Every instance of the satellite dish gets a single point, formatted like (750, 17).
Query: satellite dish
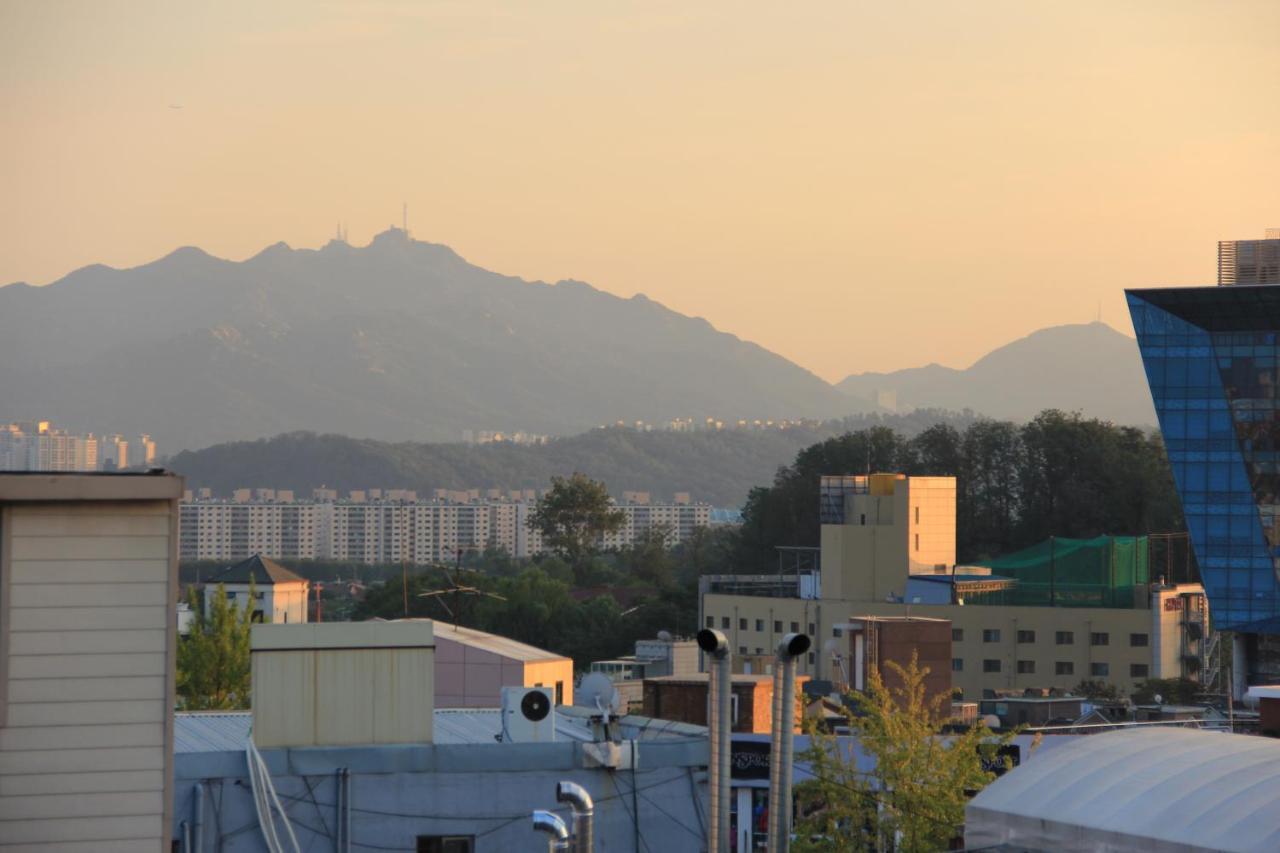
(535, 706)
(597, 692)
(665, 636)
(1159, 699)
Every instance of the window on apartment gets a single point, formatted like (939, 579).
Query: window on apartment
(1026, 636)
(559, 692)
(1099, 669)
(724, 622)
(1065, 638)
(917, 515)
(991, 635)
(795, 627)
(863, 519)
(742, 650)
(1064, 667)
(1026, 667)
(917, 541)
(1139, 670)
(777, 626)
(957, 664)
(812, 630)
(759, 650)
(1099, 638)
(836, 632)
(811, 658)
(957, 635)
(1139, 640)
(711, 621)
(991, 665)
(742, 624)
(759, 624)
(446, 844)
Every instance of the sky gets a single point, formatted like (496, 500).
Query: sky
(856, 186)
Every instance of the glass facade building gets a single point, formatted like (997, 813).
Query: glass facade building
(1212, 358)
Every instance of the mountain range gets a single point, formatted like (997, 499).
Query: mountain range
(397, 340)
(404, 340)
(1087, 367)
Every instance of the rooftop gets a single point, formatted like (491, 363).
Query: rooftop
(256, 570)
(493, 643)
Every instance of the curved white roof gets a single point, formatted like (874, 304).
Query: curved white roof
(1156, 789)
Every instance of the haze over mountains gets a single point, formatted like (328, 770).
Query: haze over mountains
(397, 340)
(403, 340)
(1087, 367)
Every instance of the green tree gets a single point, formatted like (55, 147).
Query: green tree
(213, 659)
(1097, 690)
(1172, 691)
(572, 516)
(914, 799)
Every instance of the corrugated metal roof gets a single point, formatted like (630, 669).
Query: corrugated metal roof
(228, 731)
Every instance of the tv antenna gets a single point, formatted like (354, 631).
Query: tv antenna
(404, 219)
(455, 589)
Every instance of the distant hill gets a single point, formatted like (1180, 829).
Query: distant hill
(397, 340)
(1087, 367)
(717, 467)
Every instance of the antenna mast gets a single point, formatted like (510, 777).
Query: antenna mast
(404, 220)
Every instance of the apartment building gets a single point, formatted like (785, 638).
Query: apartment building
(39, 446)
(389, 526)
(887, 549)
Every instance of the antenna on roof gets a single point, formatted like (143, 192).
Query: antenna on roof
(404, 219)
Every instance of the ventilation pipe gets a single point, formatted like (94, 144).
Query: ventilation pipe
(583, 809)
(197, 819)
(719, 721)
(553, 825)
(784, 723)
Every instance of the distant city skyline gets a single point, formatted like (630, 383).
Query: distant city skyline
(858, 187)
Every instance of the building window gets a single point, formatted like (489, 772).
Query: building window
(917, 541)
(446, 844)
(742, 650)
(711, 621)
(917, 515)
(742, 624)
(1026, 667)
(1138, 640)
(760, 625)
(1099, 638)
(1100, 670)
(991, 635)
(1064, 667)
(991, 665)
(812, 631)
(795, 627)
(957, 664)
(810, 658)
(724, 622)
(1138, 670)
(777, 626)
(1026, 636)
(836, 632)
(1065, 638)
(957, 635)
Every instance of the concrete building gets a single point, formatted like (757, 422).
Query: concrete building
(1250, 261)
(390, 526)
(39, 446)
(684, 698)
(472, 667)
(271, 591)
(886, 540)
(88, 577)
(361, 759)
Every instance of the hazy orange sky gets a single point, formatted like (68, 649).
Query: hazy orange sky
(857, 186)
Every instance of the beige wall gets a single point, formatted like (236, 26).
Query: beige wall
(86, 737)
(469, 677)
(971, 621)
(549, 674)
(343, 683)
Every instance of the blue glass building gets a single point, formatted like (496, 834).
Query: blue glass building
(1212, 357)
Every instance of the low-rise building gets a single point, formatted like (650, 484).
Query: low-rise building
(271, 591)
(473, 666)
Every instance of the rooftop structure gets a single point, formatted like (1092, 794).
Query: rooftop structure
(1152, 789)
(1250, 261)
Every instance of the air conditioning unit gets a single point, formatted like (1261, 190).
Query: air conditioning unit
(528, 715)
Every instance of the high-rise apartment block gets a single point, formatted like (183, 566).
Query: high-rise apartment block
(1250, 261)
(392, 525)
(39, 446)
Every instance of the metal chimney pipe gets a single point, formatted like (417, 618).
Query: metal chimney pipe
(553, 825)
(719, 722)
(784, 723)
(583, 810)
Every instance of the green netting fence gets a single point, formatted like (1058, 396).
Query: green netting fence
(1099, 572)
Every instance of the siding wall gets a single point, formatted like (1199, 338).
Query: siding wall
(86, 739)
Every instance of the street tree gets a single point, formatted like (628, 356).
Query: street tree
(572, 516)
(915, 797)
(213, 672)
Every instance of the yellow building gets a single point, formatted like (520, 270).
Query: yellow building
(888, 548)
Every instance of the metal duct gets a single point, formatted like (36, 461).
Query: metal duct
(780, 753)
(583, 809)
(553, 825)
(719, 722)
